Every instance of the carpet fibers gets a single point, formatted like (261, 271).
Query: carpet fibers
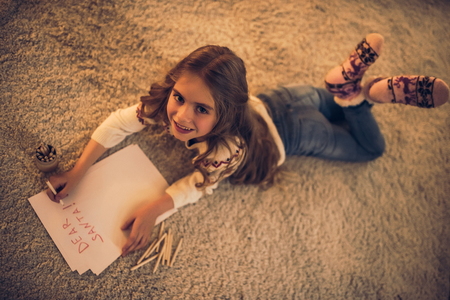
(376, 230)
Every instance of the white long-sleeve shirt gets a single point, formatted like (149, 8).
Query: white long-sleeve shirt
(124, 122)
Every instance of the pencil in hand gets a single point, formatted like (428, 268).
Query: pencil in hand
(53, 191)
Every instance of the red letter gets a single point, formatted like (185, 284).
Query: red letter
(86, 225)
(79, 219)
(76, 241)
(85, 247)
(67, 206)
(67, 224)
(76, 211)
(91, 231)
(95, 237)
(73, 231)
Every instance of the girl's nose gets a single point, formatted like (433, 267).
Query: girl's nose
(184, 113)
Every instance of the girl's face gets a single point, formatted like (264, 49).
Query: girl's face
(191, 109)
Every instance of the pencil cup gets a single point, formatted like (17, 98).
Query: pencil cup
(46, 158)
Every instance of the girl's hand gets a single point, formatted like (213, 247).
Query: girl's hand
(142, 222)
(63, 184)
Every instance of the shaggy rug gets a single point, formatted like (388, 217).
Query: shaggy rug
(337, 230)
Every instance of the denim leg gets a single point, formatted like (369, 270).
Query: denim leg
(303, 115)
(364, 129)
(319, 98)
(362, 142)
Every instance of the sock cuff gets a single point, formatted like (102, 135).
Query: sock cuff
(354, 102)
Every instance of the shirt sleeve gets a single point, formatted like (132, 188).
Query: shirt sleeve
(218, 166)
(117, 126)
(184, 191)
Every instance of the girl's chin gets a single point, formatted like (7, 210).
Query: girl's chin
(182, 138)
(185, 138)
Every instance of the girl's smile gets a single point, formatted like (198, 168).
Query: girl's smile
(191, 109)
(182, 129)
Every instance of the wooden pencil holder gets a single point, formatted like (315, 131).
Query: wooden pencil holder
(46, 158)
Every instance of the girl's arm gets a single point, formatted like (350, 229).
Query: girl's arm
(142, 222)
(112, 131)
(69, 180)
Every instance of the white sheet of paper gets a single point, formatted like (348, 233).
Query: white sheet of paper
(86, 229)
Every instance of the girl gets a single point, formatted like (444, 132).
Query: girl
(204, 102)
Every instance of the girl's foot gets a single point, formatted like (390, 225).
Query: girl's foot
(344, 81)
(421, 91)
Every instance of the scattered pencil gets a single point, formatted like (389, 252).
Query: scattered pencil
(160, 255)
(155, 245)
(161, 229)
(144, 262)
(176, 252)
(168, 248)
(164, 255)
(147, 252)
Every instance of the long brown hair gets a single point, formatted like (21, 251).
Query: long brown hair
(225, 75)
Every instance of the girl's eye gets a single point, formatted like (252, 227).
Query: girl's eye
(202, 110)
(178, 98)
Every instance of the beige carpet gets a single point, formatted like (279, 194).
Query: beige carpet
(377, 230)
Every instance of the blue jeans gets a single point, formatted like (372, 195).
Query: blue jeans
(306, 119)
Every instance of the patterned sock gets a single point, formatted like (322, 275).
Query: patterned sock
(344, 81)
(421, 91)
